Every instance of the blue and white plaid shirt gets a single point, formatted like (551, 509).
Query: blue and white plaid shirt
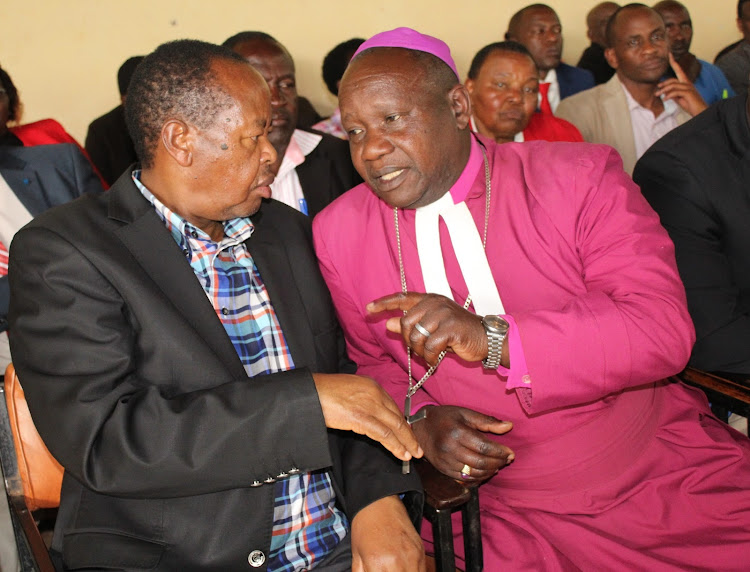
(306, 523)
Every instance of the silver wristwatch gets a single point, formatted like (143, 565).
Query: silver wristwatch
(496, 329)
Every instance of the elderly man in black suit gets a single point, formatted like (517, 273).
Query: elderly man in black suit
(181, 357)
(311, 168)
(696, 178)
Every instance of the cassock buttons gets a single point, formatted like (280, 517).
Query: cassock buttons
(256, 558)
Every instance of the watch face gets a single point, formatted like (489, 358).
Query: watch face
(496, 324)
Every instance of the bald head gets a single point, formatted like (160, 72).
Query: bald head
(596, 21)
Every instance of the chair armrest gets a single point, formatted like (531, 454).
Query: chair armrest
(727, 393)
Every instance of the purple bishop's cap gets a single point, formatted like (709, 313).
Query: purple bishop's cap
(411, 40)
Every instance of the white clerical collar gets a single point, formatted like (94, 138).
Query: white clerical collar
(468, 247)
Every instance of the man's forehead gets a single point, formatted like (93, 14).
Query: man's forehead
(388, 69)
(640, 17)
(538, 15)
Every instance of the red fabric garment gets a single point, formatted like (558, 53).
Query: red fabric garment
(544, 105)
(543, 127)
(49, 132)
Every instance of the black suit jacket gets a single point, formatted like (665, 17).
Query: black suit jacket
(109, 145)
(139, 393)
(42, 177)
(326, 173)
(697, 177)
(593, 60)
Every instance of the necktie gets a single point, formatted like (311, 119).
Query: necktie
(544, 105)
(3, 260)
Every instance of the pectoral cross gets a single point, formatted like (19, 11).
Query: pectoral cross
(411, 419)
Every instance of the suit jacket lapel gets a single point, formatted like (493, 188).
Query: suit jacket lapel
(146, 237)
(616, 106)
(269, 254)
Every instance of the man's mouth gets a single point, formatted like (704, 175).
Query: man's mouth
(390, 176)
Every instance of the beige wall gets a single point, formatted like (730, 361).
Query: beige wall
(63, 55)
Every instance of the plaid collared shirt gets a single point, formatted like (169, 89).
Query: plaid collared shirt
(306, 523)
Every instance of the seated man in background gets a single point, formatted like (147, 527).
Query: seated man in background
(696, 179)
(311, 169)
(547, 279)
(503, 83)
(108, 142)
(636, 107)
(707, 78)
(593, 58)
(334, 66)
(181, 357)
(538, 28)
(32, 179)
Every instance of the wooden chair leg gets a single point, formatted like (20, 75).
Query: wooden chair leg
(472, 533)
(442, 531)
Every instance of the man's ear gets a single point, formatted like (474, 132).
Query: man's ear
(177, 139)
(460, 105)
(611, 57)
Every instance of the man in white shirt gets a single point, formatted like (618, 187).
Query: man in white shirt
(637, 106)
(312, 168)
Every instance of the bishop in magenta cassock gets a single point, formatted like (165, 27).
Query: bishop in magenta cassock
(595, 461)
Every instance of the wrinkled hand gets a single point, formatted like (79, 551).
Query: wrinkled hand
(383, 538)
(450, 326)
(359, 404)
(681, 90)
(455, 436)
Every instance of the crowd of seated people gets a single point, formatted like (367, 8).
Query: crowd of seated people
(448, 269)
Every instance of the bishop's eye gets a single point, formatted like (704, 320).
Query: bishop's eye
(393, 117)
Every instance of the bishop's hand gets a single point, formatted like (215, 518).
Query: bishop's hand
(434, 323)
(455, 438)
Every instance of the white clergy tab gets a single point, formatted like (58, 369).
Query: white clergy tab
(467, 244)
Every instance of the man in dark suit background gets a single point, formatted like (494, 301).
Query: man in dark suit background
(538, 28)
(592, 58)
(32, 179)
(181, 360)
(312, 168)
(108, 142)
(696, 178)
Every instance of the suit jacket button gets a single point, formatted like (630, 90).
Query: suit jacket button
(256, 558)
(269, 480)
(293, 471)
(256, 484)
